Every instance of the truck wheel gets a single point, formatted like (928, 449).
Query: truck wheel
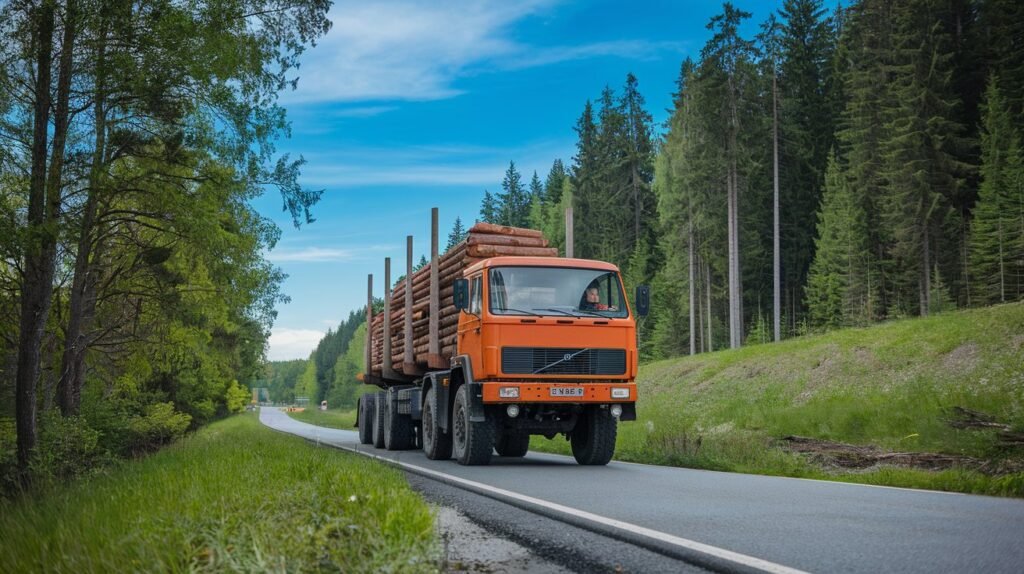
(397, 427)
(436, 444)
(593, 439)
(472, 442)
(366, 415)
(380, 403)
(513, 445)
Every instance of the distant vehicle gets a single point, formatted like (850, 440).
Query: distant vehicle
(528, 345)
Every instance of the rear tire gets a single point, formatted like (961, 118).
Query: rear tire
(513, 445)
(379, 405)
(397, 427)
(593, 439)
(436, 444)
(472, 442)
(366, 415)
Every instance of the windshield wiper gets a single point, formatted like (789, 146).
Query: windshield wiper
(592, 313)
(520, 311)
(562, 360)
(563, 311)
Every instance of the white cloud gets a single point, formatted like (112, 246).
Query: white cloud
(362, 111)
(287, 344)
(404, 50)
(311, 254)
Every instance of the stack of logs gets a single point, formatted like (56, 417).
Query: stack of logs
(484, 240)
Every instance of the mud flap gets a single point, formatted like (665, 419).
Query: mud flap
(476, 403)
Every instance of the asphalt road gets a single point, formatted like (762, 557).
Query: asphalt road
(731, 521)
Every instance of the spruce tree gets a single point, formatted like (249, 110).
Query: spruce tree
(806, 134)
(457, 234)
(840, 290)
(921, 171)
(997, 232)
(489, 212)
(513, 201)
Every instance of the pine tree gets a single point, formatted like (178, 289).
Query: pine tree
(489, 212)
(997, 232)
(513, 201)
(457, 234)
(727, 69)
(840, 290)
(922, 173)
(806, 127)
(554, 181)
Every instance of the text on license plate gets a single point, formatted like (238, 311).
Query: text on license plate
(567, 391)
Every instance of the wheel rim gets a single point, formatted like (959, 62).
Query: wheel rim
(460, 427)
(428, 425)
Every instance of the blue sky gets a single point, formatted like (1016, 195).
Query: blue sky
(405, 106)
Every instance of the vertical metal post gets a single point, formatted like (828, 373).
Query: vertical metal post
(434, 344)
(369, 326)
(569, 250)
(386, 366)
(408, 360)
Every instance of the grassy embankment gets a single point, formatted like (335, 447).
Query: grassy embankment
(235, 496)
(331, 418)
(890, 387)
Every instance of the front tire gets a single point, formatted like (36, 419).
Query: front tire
(593, 439)
(473, 442)
(513, 445)
(366, 416)
(436, 444)
(380, 403)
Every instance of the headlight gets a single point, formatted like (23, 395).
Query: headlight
(508, 392)
(620, 392)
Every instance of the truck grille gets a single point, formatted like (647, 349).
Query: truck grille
(533, 360)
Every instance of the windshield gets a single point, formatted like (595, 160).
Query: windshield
(556, 291)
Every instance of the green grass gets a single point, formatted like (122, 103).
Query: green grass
(889, 386)
(235, 496)
(335, 419)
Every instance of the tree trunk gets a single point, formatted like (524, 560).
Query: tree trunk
(711, 339)
(35, 297)
(83, 288)
(925, 276)
(732, 185)
(692, 263)
(776, 251)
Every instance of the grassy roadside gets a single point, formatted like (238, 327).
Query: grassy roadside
(335, 419)
(889, 387)
(234, 496)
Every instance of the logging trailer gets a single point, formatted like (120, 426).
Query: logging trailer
(497, 340)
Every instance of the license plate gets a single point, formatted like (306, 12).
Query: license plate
(567, 391)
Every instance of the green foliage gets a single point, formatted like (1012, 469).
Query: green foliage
(840, 286)
(455, 237)
(235, 496)
(489, 209)
(236, 398)
(997, 232)
(68, 447)
(159, 426)
(513, 203)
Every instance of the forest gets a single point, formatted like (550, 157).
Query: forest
(135, 299)
(839, 167)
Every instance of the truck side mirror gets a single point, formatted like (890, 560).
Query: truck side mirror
(460, 292)
(643, 300)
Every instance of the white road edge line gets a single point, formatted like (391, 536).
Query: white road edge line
(692, 545)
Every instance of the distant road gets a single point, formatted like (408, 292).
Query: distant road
(729, 521)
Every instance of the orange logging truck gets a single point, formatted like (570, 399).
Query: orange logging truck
(497, 340)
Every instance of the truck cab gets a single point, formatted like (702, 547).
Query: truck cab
(548, 347)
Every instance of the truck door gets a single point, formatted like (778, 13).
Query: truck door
(469, 325)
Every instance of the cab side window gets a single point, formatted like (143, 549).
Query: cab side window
(476, 295)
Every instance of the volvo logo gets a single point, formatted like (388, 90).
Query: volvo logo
(567, 357)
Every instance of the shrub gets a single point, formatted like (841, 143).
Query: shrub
(159, 426)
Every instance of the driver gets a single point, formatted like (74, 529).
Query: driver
(592, 301)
